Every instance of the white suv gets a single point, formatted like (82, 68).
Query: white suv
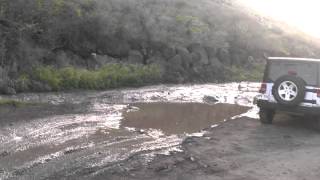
(290, 85)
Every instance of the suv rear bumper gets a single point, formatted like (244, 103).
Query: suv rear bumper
(289, 109)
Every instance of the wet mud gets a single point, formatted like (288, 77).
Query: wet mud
(83, 135)
(179, 118)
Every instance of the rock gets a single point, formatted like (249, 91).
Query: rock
(211, 51)
(114, 47)
(215, 62)
(4, 154)
(251, 60)
(224, 56)
(197, 48)
(102, 60)
(176, 61)
(3, 84)
(9, 91)
(195, 57)
(210, 99)
(1, 72)
(6, 87)
(156, 60)
(135, 57)
(186, 57)
(22, 85)
(62, 60)
(175, 72)
(13, 70)
(40, 87)
(168, 52)
(212, 55)
(192, 158)
(239, 57)
(182, 51)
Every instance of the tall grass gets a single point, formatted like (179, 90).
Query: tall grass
(109, 76)
(15, 103)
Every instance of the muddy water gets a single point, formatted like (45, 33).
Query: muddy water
(179, 118)
(80, 134)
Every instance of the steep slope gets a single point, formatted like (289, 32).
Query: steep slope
(189, 41)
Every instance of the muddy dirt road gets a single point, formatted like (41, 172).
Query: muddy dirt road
(158, 132)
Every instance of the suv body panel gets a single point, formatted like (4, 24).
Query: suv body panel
(307, 69)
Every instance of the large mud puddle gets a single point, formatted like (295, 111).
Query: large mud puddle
(179, 118)
(87, 132)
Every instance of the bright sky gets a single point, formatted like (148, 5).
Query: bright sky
(304, 14)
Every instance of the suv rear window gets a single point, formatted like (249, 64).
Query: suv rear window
(308, 71)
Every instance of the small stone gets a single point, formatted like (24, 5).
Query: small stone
(192, 158)
(210, 99)
(4, 154)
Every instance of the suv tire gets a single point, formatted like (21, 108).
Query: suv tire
(289, 90)
(266, 116)
(317, 123)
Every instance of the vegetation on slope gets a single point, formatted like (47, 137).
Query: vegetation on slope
(48, 78)
(189, 41)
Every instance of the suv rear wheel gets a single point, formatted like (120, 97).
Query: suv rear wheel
(289, 90)
(266, 116)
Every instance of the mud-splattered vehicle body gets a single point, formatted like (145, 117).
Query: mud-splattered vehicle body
(290, 85)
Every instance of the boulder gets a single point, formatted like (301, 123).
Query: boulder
(22, 85)
(2, 72)
(114, 47)
(13, 70)
(9, 91)
(103, 59)
(215, 62)
(62, 60)
(210, 99)
(5, 87)
(40, 87)
(156, 60)
(162, 63)
(238, 56)
(168, 52)
(196, 57)
(176, 61)
(186, 57)
(197, 48)
(224, 56)
(135, 57)
(211, 51)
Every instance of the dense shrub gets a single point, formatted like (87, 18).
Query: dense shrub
(109, 76)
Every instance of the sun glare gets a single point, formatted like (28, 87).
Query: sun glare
(303, 14)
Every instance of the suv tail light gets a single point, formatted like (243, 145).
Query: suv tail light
(318, 93)
(263, 88)
(293, 73)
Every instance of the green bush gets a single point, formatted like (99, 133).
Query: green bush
(48, 75)
(109, 76)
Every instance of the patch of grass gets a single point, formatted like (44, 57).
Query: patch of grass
(109, 76)
(253, 74)
(15, 103)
